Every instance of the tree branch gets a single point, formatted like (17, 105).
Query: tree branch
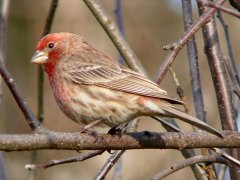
(138, 140)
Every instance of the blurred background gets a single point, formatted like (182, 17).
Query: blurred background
(149, 25)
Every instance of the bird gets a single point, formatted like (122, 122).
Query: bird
(93, 89)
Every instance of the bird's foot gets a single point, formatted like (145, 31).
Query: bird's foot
(115, 131)
(90, 125)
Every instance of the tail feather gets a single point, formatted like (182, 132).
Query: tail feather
(172, 112)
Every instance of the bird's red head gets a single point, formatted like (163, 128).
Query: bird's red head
(50, 49)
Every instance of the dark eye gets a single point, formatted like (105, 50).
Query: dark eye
(51, 45)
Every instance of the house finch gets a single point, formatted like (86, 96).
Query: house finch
(92, 88)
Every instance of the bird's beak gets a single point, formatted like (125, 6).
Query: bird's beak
(39, 57)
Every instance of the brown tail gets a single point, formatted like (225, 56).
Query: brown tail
(191, 120)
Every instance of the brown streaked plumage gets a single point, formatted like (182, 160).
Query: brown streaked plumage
(90, 86)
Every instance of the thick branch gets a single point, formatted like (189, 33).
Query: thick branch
(139, 140)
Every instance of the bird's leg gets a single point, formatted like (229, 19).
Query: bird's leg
(94, 123)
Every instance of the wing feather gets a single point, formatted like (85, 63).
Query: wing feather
(120, 79)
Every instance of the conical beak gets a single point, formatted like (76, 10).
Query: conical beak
(39, 57)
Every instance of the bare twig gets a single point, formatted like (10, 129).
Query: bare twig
(230, 51)
(193, 63)
(82, 157)
(224, 9)
(227, 156)
(204, 18)
(109, 164)
(3, 34)
(222, 172)
(234, 86)
(119, 21)
(115, 35)
(132, 126)
(3, 171)
(188, 162)
(49, 20)
(180, 91)
(117, 173)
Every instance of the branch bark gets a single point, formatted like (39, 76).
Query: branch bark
(137, 140)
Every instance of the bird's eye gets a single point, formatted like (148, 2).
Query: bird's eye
(51, 45)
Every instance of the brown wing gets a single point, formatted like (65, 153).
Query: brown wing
(120, 79)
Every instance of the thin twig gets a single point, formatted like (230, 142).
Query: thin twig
(226, 155)
(222, 172)
(115, 35)
(132, 126)
(234, 86)
(188, 162)
(229, 45)
(221, 8)
(180, 91)
(50, 17)
(204, 18)
(119, 21)
(3, 34)
(109, 164)
(3, 170)
(193, 63)
(51, 163)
